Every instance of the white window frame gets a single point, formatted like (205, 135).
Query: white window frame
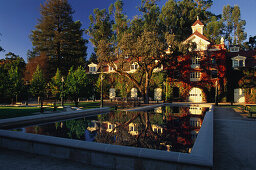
(92, 69)
(236, 61)
(195, 76)
(196, 62)
(134, 66)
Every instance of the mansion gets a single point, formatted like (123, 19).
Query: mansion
(209, 73)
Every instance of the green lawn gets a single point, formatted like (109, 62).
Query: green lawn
(13, 111)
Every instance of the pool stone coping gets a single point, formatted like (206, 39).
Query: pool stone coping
(201, 155)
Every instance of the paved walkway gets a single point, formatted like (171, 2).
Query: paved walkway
(10, 160)
(234, 141)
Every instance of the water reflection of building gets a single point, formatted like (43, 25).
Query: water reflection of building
(158, 110)
(195, 110)
(157, 129)
(195, 122)
(134, 129)
(170, 127)
(102, 126)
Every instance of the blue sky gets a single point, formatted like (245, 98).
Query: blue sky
(18, 18)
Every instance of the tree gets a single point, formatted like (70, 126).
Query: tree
(13, 60)
(213, 30)
(56, 85)
(251, 44)
(234, 25)
(38, 84)
(43, 62)
(177, 17)
(59, 36)
(75, 84)
(93, 58)
(143, 41)
(15, 83)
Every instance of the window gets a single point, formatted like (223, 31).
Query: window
(195, 75)
(214, 74)
(196, 60)
(111, 68)
(238, 61)
(92, 69)
(234, 49)
(134, 66)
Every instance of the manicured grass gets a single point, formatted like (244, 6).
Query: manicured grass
(12, 111)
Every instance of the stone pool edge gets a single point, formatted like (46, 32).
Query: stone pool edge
(114, 156)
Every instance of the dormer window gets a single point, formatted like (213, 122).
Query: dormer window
(92, 68)
(234, 49)
(238, 61)
(111, 69)
(134, 66)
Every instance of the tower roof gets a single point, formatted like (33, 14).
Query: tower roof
(197, 22)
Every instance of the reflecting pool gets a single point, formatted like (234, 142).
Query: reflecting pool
(163, 128)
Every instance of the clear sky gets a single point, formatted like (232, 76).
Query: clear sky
(18, 18)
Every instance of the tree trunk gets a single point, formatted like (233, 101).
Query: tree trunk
(76, 102)
(146, 97)
(38, 99)
(16, 98)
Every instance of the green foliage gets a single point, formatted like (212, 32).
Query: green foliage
(15, 82)
(177, 17)
(38, 83)
(13, 60)
(76, 128)
(234, 25)
(251, 44)
(75, 84)
(59, 36)
(56, 84)
(213, 30)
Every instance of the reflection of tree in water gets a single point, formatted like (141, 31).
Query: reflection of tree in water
(146, 137)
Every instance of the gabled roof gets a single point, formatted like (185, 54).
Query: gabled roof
(198, 22)
(199, 35)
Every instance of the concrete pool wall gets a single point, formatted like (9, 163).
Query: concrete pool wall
(115, 156)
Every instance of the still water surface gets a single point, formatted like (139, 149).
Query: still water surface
(164, 128)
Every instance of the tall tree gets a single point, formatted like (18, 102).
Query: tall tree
(59, 36)
(234, 25)
(38, 84)
(213, 30)
(177, 17)
(143, 41)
